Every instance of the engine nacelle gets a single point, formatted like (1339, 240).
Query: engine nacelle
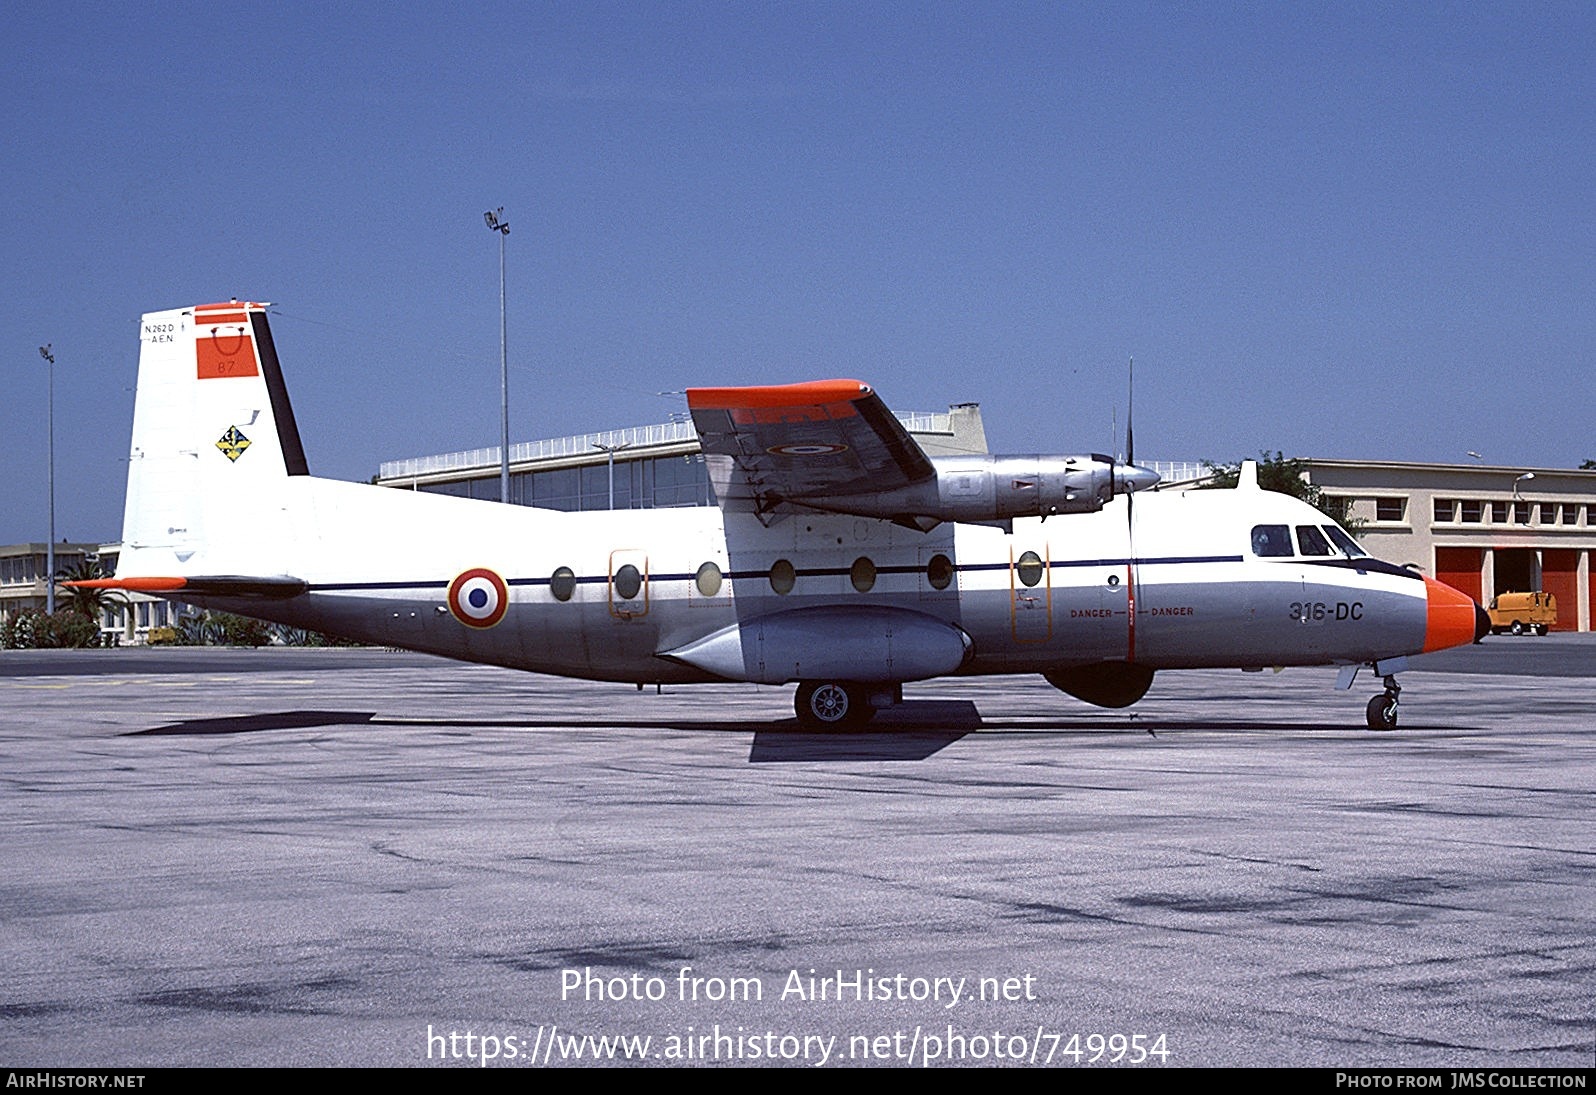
(994, 488)
(991, 489)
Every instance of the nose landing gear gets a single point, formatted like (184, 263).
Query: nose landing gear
(1382, 710)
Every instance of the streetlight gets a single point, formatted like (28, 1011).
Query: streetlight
(496, 223)
(1518, 498)
(610, 451)
(49, 548)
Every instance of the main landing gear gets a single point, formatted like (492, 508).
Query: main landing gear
(1382, 709)
(842, 705)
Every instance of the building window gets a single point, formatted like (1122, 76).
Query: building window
(1391, 510)
(1549, 513)
(1445, 510)
(1473, 511)
(1498, 513)
(1521, 513)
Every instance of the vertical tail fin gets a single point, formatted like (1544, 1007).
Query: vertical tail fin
(214, 440)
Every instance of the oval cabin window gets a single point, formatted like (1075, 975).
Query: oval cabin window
(782, 576)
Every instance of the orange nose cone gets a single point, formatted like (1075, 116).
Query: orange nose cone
(1451, 618)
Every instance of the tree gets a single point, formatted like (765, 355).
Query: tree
(87, 602)
(1589, 465)
(1285, 476)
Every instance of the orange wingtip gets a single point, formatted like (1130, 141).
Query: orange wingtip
(227, 306)
(137, 585)
(809, 394)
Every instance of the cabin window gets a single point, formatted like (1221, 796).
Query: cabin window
(708, 579)
(563, 584)
(862, 574)
(939, 572)
(628, 582)
(1310, 541)
(782, 576)
(1029, 568)
(1271, 541)
(1344, 542)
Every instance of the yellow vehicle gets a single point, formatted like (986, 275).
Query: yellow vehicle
(1522, 612)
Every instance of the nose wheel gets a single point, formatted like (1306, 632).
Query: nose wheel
(1382, 711)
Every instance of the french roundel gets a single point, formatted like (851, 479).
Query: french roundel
(478, 598)
(806, 450)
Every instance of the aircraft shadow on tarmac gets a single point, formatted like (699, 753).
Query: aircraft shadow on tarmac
(913, 730)
(249, 724)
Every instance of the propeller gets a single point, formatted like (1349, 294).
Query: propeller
(1128, 478)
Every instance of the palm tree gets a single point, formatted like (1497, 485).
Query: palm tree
(88, 602)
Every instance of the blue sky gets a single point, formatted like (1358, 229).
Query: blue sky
(1343, 230)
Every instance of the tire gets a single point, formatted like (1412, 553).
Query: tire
(831, 705)
(1382, 713)
(1541, 629)
(1517, 628)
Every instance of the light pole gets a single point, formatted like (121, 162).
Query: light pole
(610, 451)
(49, 548)
(496, 223)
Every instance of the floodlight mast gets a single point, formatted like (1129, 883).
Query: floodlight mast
(496, 223)
(49, 548)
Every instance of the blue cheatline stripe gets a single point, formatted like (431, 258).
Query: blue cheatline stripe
(811, 572)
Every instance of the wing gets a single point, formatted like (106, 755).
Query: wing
(770, 448)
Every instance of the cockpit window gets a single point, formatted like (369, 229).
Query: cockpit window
(1344, 542)
(1271, 541)
(1312, 542)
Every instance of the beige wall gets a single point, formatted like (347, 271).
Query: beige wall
(1481, 508)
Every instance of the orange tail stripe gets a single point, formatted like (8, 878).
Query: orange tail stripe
(137, 585)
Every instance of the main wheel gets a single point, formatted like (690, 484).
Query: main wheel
(831, 705)
(1382, 712)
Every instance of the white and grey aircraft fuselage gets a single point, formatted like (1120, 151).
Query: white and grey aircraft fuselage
(840, 557)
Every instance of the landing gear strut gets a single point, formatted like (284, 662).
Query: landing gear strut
(1382, 710)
